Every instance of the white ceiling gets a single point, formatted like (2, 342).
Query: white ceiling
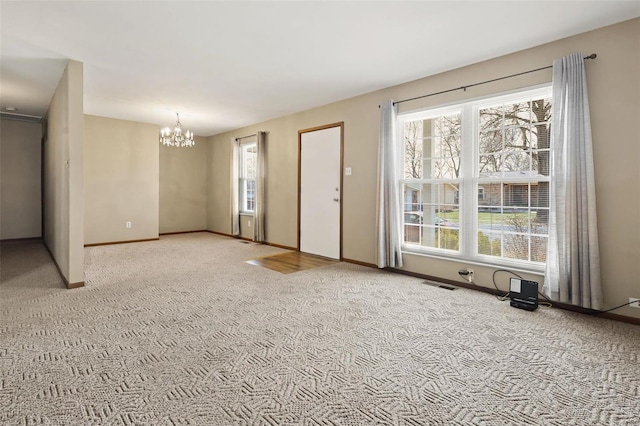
(224, 65)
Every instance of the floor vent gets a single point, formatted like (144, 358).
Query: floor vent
(440, 285)
(245, 242)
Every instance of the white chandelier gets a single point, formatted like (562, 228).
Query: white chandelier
(176, 137)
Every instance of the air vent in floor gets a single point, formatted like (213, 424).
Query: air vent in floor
(439, 285)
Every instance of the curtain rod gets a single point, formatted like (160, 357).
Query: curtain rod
(592, 56)
(245, 137)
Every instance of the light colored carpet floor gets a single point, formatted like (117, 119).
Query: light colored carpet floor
(182, 331)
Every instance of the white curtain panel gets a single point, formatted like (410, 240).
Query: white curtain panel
(573, 257)
(258, 212)
(235, 207)
(388, 226)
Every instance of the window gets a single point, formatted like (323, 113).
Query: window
(431, 180)
(476, 179)
(480, 194)
(247, 177)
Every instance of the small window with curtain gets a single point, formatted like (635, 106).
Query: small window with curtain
(247, 177)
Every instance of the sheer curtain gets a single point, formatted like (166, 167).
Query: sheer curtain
(258, 212)
(573, 258)
(388, 226)
(235, 208)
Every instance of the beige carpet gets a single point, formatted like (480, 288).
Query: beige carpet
(182, 331)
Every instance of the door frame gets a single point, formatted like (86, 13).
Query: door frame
(314, 129)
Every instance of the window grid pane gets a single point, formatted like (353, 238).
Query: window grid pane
(432, 147)
(431, 214)
(431, 186)
(513, 221)
(513, 173)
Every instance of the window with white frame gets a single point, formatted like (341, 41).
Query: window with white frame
(475, 179)
(247, 177)
(480, 194)
(431, 181)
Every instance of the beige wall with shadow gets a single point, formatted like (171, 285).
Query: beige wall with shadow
(183, 187)
(121, 180)
(63, 175)
(20, 179)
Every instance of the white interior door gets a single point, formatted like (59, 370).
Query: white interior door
(320, 192)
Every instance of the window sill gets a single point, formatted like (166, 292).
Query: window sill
(246, 214)
(511, 266)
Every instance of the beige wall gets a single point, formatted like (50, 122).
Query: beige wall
(20, 180)
(63, 175)
(218, 185)
(614, 90)
(183, 187)
(121, 180)
(246, 226)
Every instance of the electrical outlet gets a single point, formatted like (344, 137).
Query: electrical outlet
(128, 224)
(470, 275)
(635, 302)
(467, 274)
(249, 224)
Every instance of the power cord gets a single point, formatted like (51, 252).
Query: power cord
(548, 303)
(613, 309)
(493, 278)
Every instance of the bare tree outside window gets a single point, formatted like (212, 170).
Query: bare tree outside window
(432, 148)
(413, 156)
(514, 141)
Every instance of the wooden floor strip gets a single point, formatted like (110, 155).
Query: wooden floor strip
(287, 263)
